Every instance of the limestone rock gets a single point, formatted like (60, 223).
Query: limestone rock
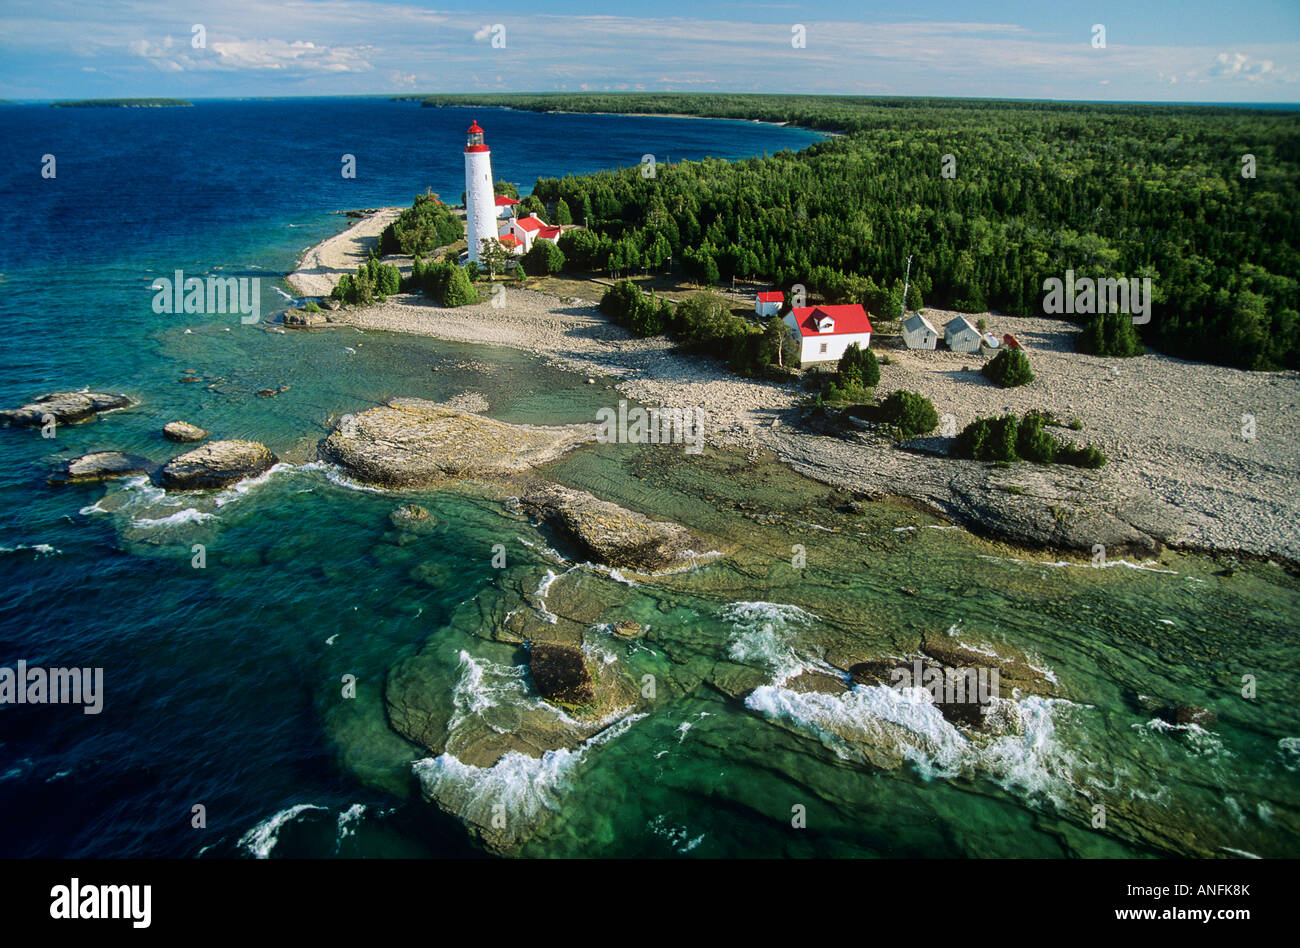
(218, 464)
(411, 442)
(183, 432)
(67, 408)
(610, 534)
(102, 466)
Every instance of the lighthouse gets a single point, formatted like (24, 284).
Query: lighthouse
(480, 202)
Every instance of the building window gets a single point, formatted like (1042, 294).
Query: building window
(823, 349)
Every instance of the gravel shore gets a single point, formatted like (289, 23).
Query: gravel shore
(322, 265)
(1180, 471)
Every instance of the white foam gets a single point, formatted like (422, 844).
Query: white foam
(523, 787)
(1032, 763)
(261, 839)
(188, 515)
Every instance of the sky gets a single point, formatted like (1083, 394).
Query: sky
(1189, 51)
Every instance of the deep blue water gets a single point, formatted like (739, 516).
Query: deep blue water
(214, 676)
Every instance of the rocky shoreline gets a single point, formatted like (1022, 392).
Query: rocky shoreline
(1180, 474)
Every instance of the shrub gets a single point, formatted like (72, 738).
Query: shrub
(859, 364)
(422, 228)
(562, 213)
(460, 291)
(1009, 368)
(1087, 456)
(1033, 443)
(909, 412)
(989, 439)
(543, 258)
(1110, 334)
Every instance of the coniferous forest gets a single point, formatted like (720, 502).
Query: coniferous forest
(1200, 199)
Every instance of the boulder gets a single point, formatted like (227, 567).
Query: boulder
(183, 432)
(610, 534)
(412, 518)
(303, 318)
(217, 464)
(67, 408)
(102, 466)
(561, 675)
(410, 442)
(1191, 714)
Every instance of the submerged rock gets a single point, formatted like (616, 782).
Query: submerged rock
(561, 675)
(67, 408)
(410, 442)
(610, 534)
(1192, 714)
(102, 466)
(183, 432)
(218, 464)
(412, 518)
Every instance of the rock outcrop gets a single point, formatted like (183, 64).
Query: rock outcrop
(67, 408)
(610, 534)
(102, 466)
(410, 442)
(560, 674)
(218, 464)
(412, 518)
(183, 432)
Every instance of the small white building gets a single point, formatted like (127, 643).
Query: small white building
(531, 228)
(961, 335)
(919, 332)
(505, 207)
(824, 332)
(768, 303)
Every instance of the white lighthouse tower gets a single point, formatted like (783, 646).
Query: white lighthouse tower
(480, 202)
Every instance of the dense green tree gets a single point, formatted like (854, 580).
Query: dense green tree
(910, 412)
(543, 258)
(1009, 368)
(460, 291)
(562, 213)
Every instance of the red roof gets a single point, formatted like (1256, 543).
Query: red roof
(473, 127)
(549, 233)
(503, 201)
(771, 296)
(849, 318)
(508, 240)
(530, 223)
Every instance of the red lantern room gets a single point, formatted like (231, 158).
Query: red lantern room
(475, 140)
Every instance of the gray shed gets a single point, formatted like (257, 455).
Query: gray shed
(961, 335)
(919, 332)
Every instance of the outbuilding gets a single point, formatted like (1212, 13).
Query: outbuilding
(768, 303)
(961, 335)
(919, 332)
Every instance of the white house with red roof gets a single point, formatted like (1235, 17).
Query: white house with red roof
(531, 228)
(505, 207)
(824, 332)
(768, 303)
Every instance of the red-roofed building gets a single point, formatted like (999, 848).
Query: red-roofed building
(505, 207)
(824, 332)
(768, 302)
(530, 228)
(511, 243)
